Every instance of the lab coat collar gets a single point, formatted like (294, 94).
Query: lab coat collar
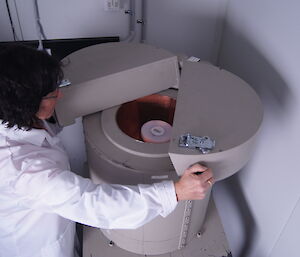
(33, 136)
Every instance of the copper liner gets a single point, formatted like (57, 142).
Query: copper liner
(132, 115)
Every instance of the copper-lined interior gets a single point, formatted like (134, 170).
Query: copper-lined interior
(132, 115)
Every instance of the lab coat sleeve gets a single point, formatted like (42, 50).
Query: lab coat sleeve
(43, 186)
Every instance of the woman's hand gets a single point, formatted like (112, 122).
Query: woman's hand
(192, 186)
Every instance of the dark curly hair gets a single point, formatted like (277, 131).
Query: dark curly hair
(26, 76)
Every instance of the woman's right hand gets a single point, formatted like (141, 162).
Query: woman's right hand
(192, 186)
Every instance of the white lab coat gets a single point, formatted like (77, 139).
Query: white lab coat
(40, 198)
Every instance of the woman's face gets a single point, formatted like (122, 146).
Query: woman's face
(47, 104)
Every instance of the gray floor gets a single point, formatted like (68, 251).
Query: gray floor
(211, 243)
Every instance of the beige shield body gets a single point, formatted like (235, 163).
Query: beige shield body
(210, 102)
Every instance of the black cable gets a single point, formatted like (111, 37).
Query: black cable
(17, 12)
(11, 21)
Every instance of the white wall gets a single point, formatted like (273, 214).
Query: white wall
(64, 19)
(190, 27)
(259, 206)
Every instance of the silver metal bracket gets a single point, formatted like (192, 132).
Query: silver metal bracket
(203, 144)
(130, 12)
(65, 83)
(140, 21)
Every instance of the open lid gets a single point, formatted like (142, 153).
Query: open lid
(215, 103)
(110, 74)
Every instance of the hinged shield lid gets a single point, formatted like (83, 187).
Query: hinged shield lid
(110, 74)
(214, 103)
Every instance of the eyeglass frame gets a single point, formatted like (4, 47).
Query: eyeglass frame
(63, 83)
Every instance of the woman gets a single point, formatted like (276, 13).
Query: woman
(40, 198)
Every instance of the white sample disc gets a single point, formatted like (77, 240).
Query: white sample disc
(156, 131)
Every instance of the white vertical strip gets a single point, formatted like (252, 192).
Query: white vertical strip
(138, 18)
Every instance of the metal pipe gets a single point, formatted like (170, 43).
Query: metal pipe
(136, 22)
(139, 22)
